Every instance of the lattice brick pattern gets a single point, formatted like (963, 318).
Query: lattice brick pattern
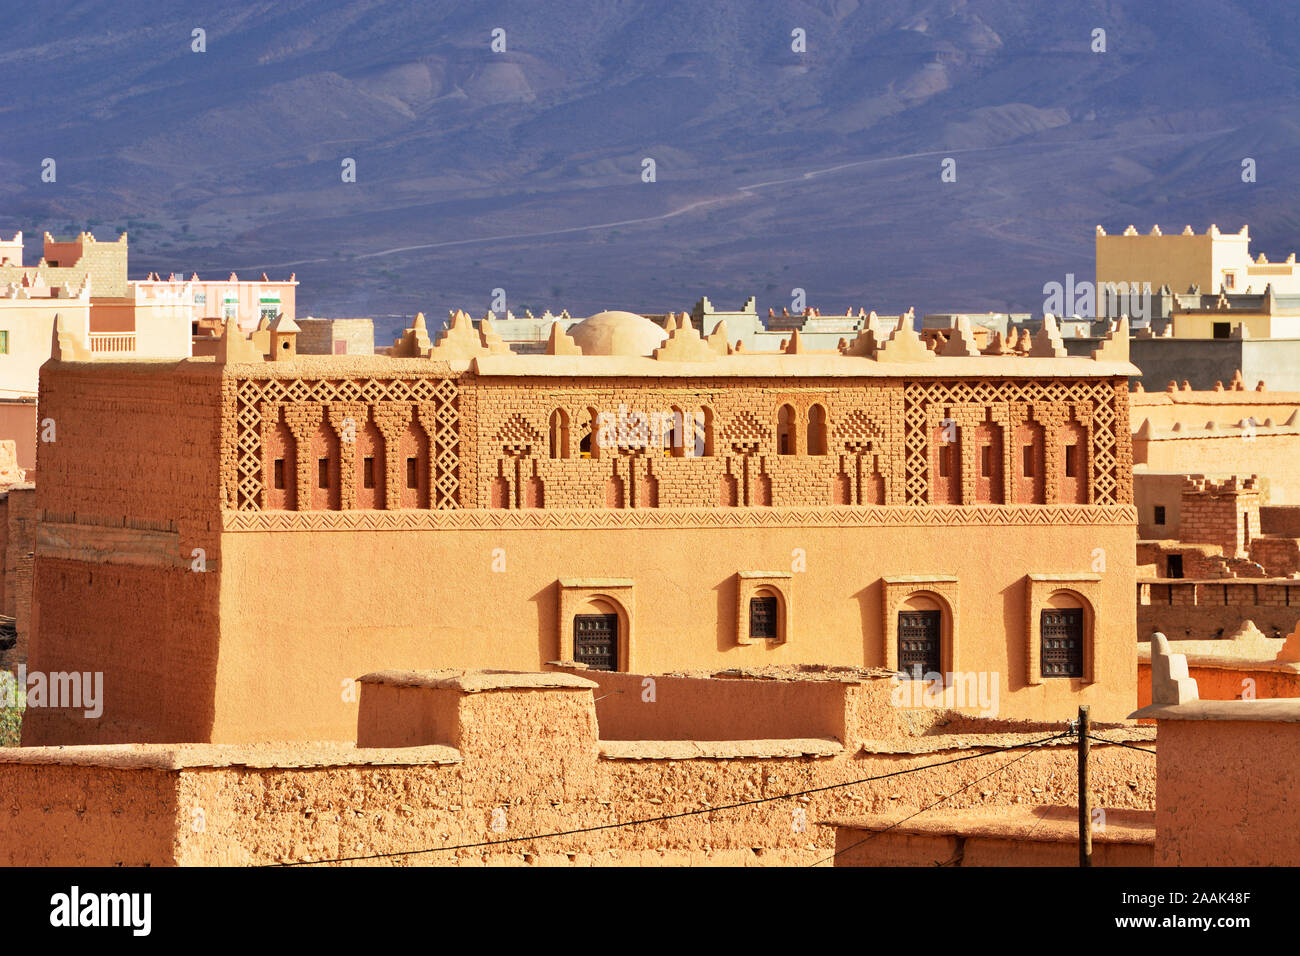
(516, 434)
(444, 442)
(857, 432)
(745, 428)
(1100, 395)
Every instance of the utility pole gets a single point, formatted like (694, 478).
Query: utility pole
(1085, 802)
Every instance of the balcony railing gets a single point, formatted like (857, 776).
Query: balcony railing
(112, 343)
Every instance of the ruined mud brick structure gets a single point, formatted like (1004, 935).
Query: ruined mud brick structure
(1218, 520)
(1223, 513)
(233, 541)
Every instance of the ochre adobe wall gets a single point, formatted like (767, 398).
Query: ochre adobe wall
(70, 814)
(1223, 513)
(1271, 456)
(446, 606)
(153, 635)
(18, 422)
(128, 492)
(1226, 682)
(687, 708)
(1225, 792)
(135, 442)
(317, 336)
(526, 762)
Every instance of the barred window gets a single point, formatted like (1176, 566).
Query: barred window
(1062, 637)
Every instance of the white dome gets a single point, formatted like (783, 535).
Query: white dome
(617, 333)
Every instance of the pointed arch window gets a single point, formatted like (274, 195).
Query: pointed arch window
(817, 430)
(559, 444)
(785, 430)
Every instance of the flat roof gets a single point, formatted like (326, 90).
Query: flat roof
(782, 365)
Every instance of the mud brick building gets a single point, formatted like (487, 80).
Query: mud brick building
(233, 541)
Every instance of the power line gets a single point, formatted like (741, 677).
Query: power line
(1042, 817)
(1120, 743)
(675, 816)
(1074, 729)
(876, 833)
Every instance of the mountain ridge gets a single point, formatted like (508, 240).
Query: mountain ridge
(775, 170)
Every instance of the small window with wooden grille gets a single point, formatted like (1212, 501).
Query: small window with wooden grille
(595, 641)
(763, 618)
(1062, 637)
(919, 651)
(412, 473)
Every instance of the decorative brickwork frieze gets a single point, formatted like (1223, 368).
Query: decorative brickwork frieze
(302, 420)
(1098, 406)
(715, 443)
(306, 403)
(712, 517)
(392, 420)
(347, 419)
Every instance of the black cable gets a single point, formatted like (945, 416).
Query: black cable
(1120, 743)
(670, 816)
(876, 833)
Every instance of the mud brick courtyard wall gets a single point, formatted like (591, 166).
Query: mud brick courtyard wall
(487, 757)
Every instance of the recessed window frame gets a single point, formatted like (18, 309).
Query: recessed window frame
(1082, 588)
(761, 584)
(1072, 460)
